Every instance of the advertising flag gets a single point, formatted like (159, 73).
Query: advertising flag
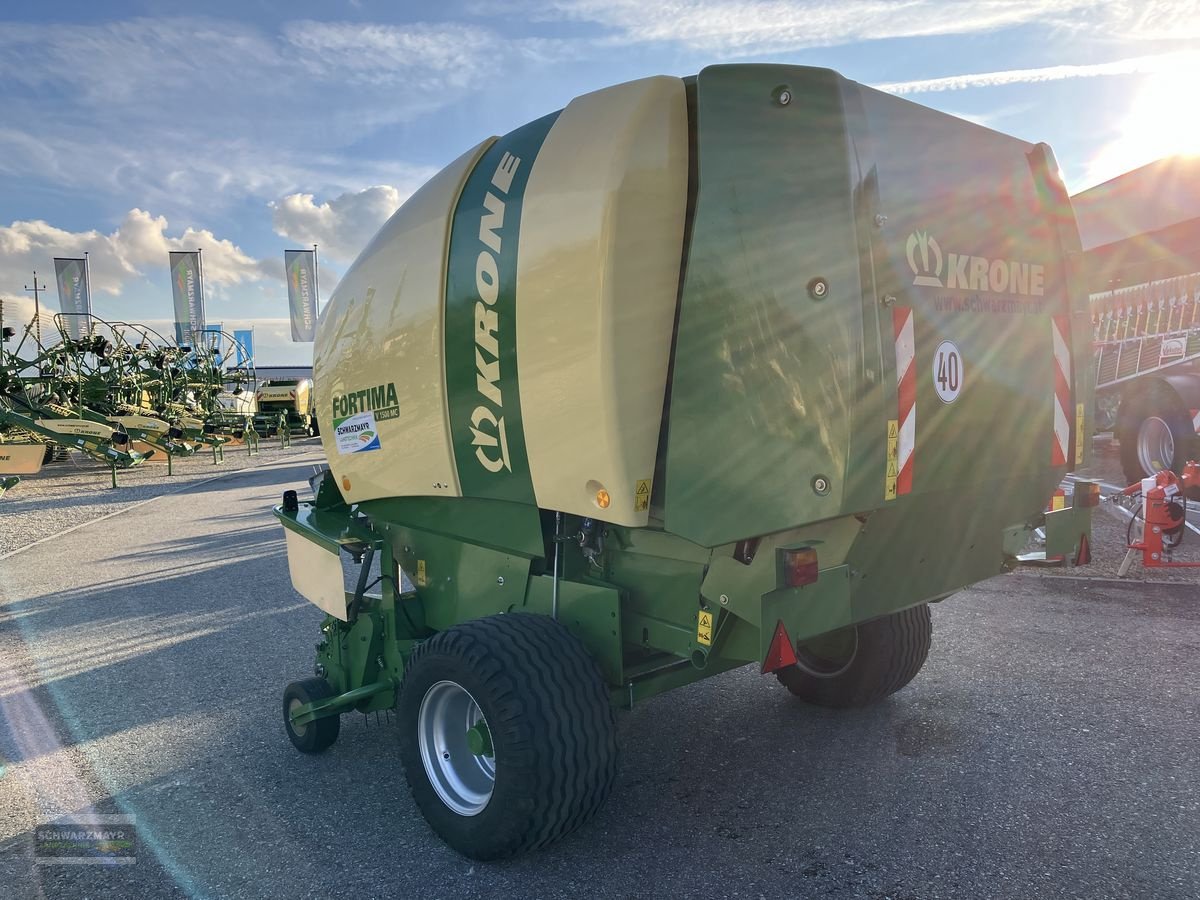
(245, 346)
(187, 287)
(301, 268)
(213, 339)
(74, 296)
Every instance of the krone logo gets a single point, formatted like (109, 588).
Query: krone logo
(928, 269)
(964, 272)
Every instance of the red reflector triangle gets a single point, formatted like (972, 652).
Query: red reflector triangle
(781, 654)
(1085, 551)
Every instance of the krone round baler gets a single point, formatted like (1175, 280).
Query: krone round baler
(743, 368)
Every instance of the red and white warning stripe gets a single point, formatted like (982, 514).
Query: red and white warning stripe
(906, 392)
(1062, 392)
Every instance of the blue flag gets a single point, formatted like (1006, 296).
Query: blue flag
(244, 346)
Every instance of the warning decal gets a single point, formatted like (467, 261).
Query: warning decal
(893, 457)
(1078, 431)
(704, 621)
(422, 581)
(641, 497)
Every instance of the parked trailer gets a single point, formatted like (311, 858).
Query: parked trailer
(691, 374)
(1148, 372)
(1141, 233)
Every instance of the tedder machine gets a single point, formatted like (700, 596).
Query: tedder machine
(744, 368)
(116, 392)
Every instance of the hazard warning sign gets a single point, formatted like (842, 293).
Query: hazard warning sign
(704, 628)
(893, 460)
(641, 497)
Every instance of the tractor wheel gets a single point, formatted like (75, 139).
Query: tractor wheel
(861, 664)
(319, 734)
(1155, 433)
(507, 735)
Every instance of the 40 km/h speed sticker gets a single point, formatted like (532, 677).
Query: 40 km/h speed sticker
(948, 371)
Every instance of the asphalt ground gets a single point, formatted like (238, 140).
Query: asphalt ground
(1050, 748)
(68, 492)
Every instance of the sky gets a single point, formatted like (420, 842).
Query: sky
(128, 130)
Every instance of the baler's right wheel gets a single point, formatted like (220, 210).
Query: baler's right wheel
(507, 734)
(861, 664)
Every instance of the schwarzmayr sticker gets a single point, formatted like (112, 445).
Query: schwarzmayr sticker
(356, 414)
(357, 433)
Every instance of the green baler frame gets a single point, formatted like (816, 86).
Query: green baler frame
(641, 615)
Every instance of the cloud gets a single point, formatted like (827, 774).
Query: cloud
(1131, 66)
(178, 114)
(420, 56)
(764, 26)
(141, 241)
(340, 227)
(754, 27)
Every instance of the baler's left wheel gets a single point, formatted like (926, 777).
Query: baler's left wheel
(319, 734)
(507, 734)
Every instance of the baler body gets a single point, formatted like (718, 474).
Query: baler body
(680, 329)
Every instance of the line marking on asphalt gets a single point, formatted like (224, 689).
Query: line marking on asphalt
(140, 503)
(1128, 582)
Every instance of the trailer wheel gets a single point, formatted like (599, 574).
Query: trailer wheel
(507, 734)
(317, 735)
(861, 664)
(1155, 433)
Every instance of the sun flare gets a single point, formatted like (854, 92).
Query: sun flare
(1161, 122)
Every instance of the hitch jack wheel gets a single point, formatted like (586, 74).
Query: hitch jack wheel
(861, 664)
(507, 735)
(315, 736)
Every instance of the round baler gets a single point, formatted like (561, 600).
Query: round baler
(744, 368)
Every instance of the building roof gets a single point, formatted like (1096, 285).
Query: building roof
(1141, 226)
(1154, 197)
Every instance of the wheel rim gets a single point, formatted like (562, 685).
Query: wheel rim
(461, 778)
(829, 655)
(1156, 445)
(297, 729)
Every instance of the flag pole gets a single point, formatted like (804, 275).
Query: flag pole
(87, 277)
(199, 298)
(316, 285)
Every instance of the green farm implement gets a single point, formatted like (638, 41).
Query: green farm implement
(744, 368)
(121, 393)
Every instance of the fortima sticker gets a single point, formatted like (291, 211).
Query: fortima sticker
(357, 433)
